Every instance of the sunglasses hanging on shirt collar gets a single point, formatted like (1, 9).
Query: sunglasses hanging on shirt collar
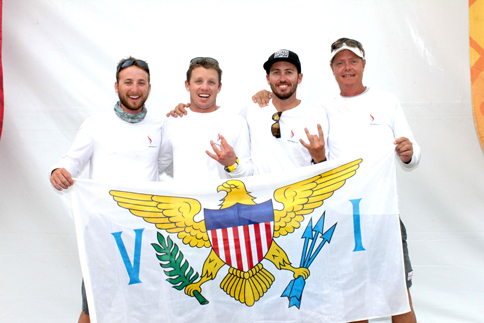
(276, 128)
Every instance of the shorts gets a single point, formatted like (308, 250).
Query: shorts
(406, 258)
(84, 299)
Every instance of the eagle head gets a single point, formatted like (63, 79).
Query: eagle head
(231, 185)
(236, 193)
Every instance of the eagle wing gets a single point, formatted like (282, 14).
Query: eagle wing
(303, 197)
(173, 214)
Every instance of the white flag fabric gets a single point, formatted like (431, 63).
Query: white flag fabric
(319, 244)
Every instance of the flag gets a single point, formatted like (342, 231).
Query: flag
(318, 244)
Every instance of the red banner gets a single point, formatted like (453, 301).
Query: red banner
(1, 72)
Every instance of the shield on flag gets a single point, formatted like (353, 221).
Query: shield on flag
(242, 234)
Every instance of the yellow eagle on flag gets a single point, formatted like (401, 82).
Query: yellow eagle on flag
(176, 215)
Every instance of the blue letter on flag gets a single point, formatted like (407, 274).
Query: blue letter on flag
(132, 269)
(357, 225)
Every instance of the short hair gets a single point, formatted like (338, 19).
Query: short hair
(205, 62)
(131, 61)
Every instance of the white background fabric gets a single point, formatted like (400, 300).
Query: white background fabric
(59, 61)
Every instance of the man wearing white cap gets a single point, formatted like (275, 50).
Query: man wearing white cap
(357, 109)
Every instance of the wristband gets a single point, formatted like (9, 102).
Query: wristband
(314, 163)
(231, 168)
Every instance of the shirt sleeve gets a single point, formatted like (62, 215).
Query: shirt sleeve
(80, 152)
(323, 121)
(242, 151)
(165, 157)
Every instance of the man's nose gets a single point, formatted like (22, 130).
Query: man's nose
(135, 88)
(205, 85)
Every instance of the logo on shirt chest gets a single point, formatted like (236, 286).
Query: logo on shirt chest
(152, 142)
(293, 138)
(372, 120)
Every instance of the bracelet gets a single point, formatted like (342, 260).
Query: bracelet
(314, 163)
(231, 168)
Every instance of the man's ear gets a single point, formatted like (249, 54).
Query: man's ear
(116, 87)
(187, 86)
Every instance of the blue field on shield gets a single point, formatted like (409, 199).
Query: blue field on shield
(239, 215)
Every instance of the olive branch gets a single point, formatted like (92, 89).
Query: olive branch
(179, 270)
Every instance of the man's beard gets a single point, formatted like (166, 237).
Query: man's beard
(127, 105)
(284, 96)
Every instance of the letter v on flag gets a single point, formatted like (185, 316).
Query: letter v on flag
(131, 267)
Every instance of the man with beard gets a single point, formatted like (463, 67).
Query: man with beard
(290, 121)
(118, 145)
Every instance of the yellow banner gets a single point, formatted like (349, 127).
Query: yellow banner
(476, 32)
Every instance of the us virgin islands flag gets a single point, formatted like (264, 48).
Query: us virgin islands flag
(318, 244)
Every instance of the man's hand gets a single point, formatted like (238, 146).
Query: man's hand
(404, 149)
(225, 155)
(262, 97)
(61, 179)
(180, 110)
(316, 145)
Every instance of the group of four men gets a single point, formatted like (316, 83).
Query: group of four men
(212, 143)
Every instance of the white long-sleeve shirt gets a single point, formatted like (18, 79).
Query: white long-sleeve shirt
(186, 140)
(358, 122)
(271, 154)
(115, 149)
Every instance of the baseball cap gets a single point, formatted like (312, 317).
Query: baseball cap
(348, 44)
(283, 55)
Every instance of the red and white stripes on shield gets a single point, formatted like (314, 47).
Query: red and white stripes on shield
(242, 247)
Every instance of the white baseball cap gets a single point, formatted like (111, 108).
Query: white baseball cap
(358, 52)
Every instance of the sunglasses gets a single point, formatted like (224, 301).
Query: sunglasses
(349, 42)
(131, 62)
(197, 60)
(276, 128)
